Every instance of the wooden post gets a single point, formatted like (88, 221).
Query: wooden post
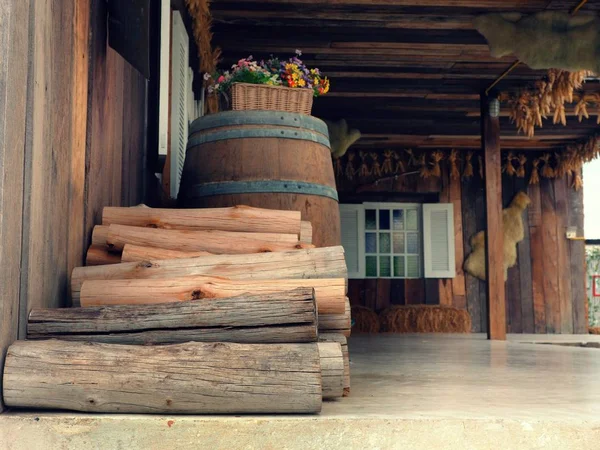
(494, 243)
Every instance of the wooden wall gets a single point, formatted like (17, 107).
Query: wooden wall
(545, 291)
(72, 139)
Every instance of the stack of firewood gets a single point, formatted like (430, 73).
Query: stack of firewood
(227, 310)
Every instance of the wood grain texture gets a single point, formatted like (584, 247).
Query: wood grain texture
(330, 293)
(336, 323)
(577, 264)
(469, 221)
(216, 377)
(284, 316)
(213, 241)
(458, 283)
(332, 369)
(343, 341)
(494, 235)
(524, 267)
(550, 257)
(325, 262)
(133, 253)
(236, 218)
(537, 256)
(306, 232)
(563, 259)
(98, 255)
(14, 44)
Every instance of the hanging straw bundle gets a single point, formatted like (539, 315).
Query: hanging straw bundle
(424, 170)
(481, 174)
(209, 56)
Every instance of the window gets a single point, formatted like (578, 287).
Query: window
(392, 240)
(398, 240)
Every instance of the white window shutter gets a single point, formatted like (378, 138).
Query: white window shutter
(438, 240)
(165, 47)
(353, 225)
(179, 100)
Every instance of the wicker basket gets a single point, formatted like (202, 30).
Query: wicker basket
(246, 96)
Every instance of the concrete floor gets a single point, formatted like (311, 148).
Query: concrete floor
(409, 392)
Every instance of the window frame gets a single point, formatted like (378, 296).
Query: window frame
(390, 206)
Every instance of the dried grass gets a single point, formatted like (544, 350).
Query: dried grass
(365, 320)
(425, 319)
(594, 330)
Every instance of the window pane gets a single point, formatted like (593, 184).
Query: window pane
(385, 268)
(398, 242)
(398, 219)
(370, 219)
(399, 266)
(412, 243)
(384, 219)
(371, 266)
(384, 243)
(413, 267)
(412, 219)
(371, 242)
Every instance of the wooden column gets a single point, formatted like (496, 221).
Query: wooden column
(490, 140)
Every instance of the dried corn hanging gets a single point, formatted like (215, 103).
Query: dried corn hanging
(364, 166)
(547, 170)
(453, 159)
(350, 171)
(339, 169)
(480, 160)
(535, 176)
(436, 170)
(468, 171)
(423, 166)
(376, 169)
(521, 169)
(387, 166)
(508, 168)
(399, 164)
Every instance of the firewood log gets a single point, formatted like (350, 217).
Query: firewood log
(330, 293)
(236, 218)
(336, 323)
(137, 253)
(99, 255)
(341, 339)
(191, 378)
(228, 242)
(288, 316)
(332, 369)
(306, 232)
(99, 235)
(325, 262)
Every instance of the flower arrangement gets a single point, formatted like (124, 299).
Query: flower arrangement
(291, 73)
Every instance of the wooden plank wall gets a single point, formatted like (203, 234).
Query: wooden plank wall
(545, 290)
(72, 139)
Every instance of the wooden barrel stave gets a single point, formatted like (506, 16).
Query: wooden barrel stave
(235, 152)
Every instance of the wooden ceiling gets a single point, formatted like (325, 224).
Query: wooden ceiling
(405, 73)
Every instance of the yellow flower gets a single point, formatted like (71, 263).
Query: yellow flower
(301, 82)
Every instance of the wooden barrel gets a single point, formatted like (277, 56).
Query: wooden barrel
(266, 159)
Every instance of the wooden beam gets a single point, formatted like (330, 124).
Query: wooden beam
(494, 242)
(478, 4)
